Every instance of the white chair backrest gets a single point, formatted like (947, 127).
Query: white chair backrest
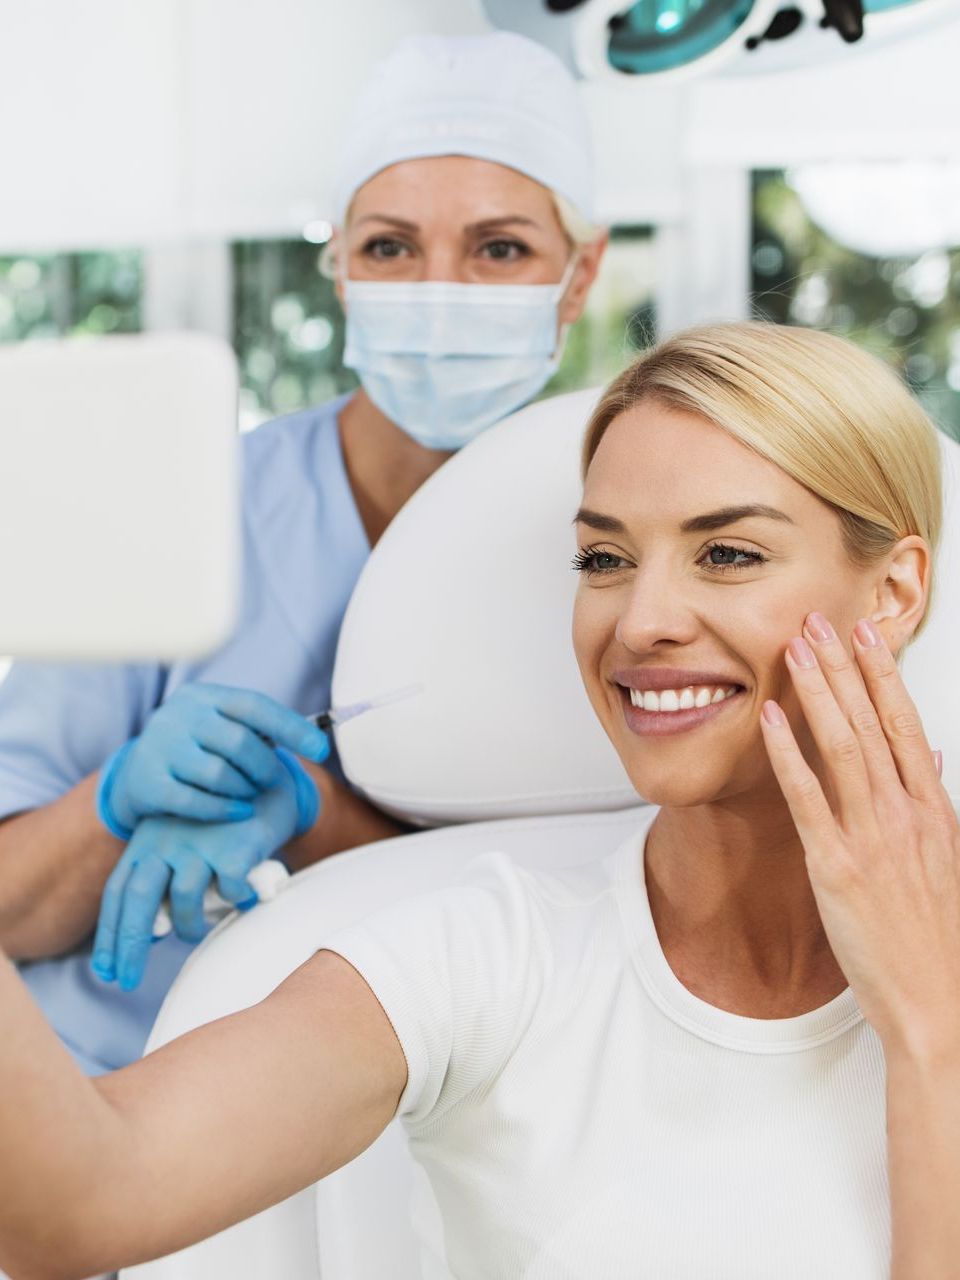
(431, 589)
(469, 594)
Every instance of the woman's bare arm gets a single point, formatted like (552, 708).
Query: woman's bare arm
(54, 863)
(923, 1141)
(210, 1129)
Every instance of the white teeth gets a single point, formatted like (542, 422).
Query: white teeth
(681, 699)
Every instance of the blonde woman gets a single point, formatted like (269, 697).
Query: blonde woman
(728, 1051)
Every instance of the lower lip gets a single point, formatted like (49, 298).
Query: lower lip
(657, 724)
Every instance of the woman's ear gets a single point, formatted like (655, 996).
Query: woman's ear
(902, 591)
(589, 256)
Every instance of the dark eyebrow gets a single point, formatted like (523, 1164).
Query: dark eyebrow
(486, 224)
(402, 223)
(492, 224)
(696, 524)
(730, 515)
(606, 524)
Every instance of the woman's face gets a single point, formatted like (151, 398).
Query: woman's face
(710, 605)
(461, 219)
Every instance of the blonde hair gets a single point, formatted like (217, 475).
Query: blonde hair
(576, 228)
(834, 418)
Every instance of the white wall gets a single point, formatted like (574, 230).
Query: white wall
(140, 121)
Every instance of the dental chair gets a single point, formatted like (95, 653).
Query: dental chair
(469, 595)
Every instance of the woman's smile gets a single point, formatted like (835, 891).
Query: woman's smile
(652, 714)
(664, 700)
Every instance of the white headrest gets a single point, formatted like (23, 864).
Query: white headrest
(470, 593)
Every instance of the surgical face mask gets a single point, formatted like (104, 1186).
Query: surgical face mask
(445, 360)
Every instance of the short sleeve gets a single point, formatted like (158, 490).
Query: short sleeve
(59, 722)
(458, 973)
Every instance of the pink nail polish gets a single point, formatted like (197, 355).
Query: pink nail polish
(938, 762)
(820, 628)
(772, 714)
(801, 652)
(867, 633)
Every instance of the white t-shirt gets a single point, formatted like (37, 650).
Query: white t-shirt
(577, 1114)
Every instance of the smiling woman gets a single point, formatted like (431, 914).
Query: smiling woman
(822, 474)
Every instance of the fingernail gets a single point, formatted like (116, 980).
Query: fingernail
(248, 903)
(867, 633)
(102, 966)
(772, 714)
(801, 652)
(240, 811)
(319, 753)
(938, 762)
(820, 628)
(128, 980)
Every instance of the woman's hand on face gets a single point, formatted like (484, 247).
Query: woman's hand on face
(884, 856)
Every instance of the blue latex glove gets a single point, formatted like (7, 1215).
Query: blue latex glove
(202, 756)
(179, 856)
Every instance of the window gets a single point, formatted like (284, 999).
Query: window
(904, 309)
(50, 295)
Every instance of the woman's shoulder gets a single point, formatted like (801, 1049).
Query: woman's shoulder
(295, 484)
(291, 440)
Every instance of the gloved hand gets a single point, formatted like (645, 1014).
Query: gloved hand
(202, 755)
(182, 857)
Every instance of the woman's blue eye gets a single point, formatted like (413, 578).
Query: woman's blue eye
(591, 561)
(721, 557)
(717, 558)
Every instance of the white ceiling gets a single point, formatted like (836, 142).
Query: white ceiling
(137, 123)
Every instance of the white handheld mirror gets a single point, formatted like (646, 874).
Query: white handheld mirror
(118, 497)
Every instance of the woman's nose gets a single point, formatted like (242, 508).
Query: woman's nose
(655, 611)
(443, 263)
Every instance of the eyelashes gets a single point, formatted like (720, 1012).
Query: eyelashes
(588, 559)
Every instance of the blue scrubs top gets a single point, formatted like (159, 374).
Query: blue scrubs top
(303, 548)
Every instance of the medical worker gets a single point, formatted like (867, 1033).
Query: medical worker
(462, 253)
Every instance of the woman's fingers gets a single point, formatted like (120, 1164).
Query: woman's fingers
(144, 892)
(899, 717)
(242, 748)
(104, 960)
(844, 677)
(801, 788)
(837, 744)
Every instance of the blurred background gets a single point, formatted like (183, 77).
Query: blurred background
(166, 164)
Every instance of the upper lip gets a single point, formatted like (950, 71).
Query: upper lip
(668, 678)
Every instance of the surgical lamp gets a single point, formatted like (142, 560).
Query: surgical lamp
(659, 38)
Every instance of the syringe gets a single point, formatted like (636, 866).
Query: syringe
(270, 877)
(327, 720)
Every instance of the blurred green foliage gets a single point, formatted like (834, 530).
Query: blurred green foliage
(905, 310)
(288, 329)
(54, 295)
